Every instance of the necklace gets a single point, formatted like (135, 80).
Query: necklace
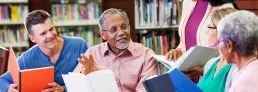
(249, 62)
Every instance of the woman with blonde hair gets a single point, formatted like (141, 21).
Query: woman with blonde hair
(217, 73)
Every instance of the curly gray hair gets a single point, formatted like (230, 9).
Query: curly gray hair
(111, 11)
(241, 27)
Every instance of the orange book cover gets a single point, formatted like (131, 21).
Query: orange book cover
(30, 80)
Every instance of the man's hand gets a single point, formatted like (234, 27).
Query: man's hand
(54, 87)
(88, 64)
(174, 54)
(193, 72)
(12, 88)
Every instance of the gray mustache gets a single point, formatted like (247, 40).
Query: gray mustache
(119, 38)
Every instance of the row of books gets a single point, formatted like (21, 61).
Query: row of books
(75, 12)
(13, 12)
(90, 34)
(13, 35)
(157, 12)
(159, 42)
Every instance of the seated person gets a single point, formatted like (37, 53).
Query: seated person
(131, 62)
(238, 35)
(218, 73)
(50, 50)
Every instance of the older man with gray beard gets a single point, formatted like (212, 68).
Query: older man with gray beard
(131, 62)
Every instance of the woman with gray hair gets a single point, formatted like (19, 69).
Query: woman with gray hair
(237, 33)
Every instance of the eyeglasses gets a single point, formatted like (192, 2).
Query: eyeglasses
(114, 30)
(216, 45)
(212, 27)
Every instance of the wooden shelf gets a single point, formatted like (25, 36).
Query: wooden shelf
(76, 23)
(16, 45)
(13, 1)
(156, 27)
(8, 22)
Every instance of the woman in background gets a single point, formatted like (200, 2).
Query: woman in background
(193, 24)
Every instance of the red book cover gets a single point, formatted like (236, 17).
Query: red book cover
(30, 80)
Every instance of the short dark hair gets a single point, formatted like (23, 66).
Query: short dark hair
(36, 17)
(221, 2)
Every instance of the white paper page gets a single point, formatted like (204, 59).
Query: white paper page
(76, 83)
(180, 60)
(197, 56)
(164, 61)
(103, 81)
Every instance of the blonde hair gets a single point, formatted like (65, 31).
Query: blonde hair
(217, 15)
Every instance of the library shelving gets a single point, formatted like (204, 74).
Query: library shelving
(156, 24)
(155, 27)
(12, 17)
(76, 23)
(78, 18)
(13, 1)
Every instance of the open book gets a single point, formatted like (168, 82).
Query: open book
(195, 56)
(30, 80)
(98, 81)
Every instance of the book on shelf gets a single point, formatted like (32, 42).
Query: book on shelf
(172, 81)
(157, 12)
(13, 35)
(89, 34)
(13, 13)
(75, 12)
(159, 42)
(98, 81)
(27, 78)
(195, 56)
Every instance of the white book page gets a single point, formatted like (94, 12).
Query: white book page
(103, 81)
(164, 61)
(181, 59)
(76, 83)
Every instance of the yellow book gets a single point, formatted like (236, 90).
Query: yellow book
(155, 44)
(14, 13)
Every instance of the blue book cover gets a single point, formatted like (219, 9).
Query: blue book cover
(181, 82)
(159, 83)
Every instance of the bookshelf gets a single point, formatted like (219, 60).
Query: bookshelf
(76, 18)
(12, 16)
(8, 22)
(156, 24)
(251, 5)
(76, 23)
(13, 1)
(156, 27)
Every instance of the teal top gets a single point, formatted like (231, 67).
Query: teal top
(216, 84)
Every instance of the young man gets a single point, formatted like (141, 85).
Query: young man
(50, 50)
(131, 62)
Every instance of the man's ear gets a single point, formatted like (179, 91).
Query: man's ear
(32, 38)
(103, 35)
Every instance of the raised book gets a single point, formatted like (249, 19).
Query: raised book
(195, 56)
(98, 81)
(172, 81)
(30, 80)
